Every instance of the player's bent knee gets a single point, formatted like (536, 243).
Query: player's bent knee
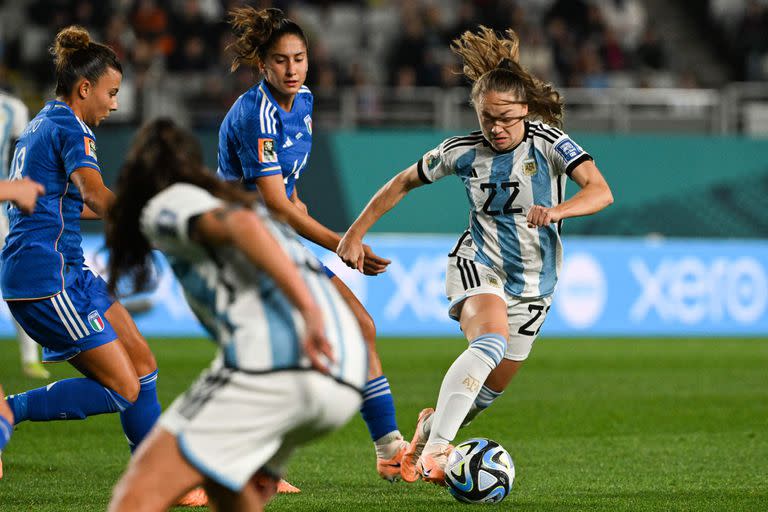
(128, 390)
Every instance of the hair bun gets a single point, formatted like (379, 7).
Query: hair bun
(506, 64)
(74, 38)
(70, 40)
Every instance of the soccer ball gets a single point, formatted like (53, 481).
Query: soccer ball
(479, 471)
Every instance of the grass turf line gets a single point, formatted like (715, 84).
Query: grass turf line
(594, 425)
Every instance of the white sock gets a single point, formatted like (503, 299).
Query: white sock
(386, 447)
(461, 384)
(27, 346)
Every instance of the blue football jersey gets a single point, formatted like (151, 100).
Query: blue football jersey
(42, 247)
(258, 138)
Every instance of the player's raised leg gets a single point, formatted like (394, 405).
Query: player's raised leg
(483, 319)
(378, 409)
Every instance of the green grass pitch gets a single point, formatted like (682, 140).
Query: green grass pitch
(598, 425)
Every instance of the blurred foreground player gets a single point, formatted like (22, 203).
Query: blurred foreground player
(291, 363)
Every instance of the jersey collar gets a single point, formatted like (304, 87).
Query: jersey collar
(265, 89)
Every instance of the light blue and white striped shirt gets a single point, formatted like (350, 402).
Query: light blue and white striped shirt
(249, 317)
(501, 188)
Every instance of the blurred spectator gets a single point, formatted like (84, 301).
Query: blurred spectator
(650, 51)
(589, 43)
(612, 53)
(625, 17)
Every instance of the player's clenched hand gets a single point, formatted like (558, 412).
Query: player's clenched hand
(373, 264)
(25, 194)
(351, 252)
(316, 345)
(539, 216)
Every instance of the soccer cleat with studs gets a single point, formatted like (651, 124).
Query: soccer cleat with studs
(389, 469)
(408, 470)
(431, 466)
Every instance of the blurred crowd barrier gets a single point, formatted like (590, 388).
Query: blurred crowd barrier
(608, 287)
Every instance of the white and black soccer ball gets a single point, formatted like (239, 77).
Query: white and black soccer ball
(479, 471)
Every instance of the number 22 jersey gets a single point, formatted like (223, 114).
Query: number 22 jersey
(501, 188)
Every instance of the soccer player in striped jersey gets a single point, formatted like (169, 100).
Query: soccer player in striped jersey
(51, 293)
(503, 270)
(24, 194)
(14, 117)
(264, 142)
(291, 363)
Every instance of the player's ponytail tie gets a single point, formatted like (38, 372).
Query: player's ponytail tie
(506, 64)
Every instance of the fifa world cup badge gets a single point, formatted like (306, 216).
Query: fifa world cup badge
(433, 159)
(529, 167)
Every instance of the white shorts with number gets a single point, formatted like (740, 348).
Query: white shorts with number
(231, 424)
(466, 278)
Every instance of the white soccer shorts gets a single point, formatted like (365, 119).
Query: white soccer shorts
(231, 424)
(465, 278)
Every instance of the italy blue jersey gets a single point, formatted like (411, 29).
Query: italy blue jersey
(42, 247)
(258, 138)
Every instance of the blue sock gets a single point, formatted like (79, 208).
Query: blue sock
(378, 409)
(69, 399)
(6, 429)
(139, 419)
(485, 397)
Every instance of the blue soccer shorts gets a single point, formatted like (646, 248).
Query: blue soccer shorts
(70, 322)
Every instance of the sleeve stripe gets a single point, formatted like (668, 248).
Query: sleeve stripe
(84, 127)
(87, 164)
(553, 132)
(543, 136)
(462, 141)
(571, 166)
(420, 170)
(267, 121)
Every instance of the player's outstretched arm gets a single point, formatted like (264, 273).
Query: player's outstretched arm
(95, 194)
(273, 191)
(351, 249)
(595, 194)
(243, 229)
(23, 193)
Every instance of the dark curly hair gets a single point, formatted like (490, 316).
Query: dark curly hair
(256, 32)
(161, 154)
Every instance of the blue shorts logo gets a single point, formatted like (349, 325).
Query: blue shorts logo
(95, 321)
(568, 149)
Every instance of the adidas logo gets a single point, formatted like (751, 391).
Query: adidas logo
(288, 143)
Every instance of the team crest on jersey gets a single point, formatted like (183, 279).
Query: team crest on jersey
(433, 159)
(95, 321)
(267, 153)
(529, 167)
(90, 147)
(308, 122)
(493, 281)
(568, 149)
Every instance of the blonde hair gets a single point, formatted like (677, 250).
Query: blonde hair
(492, 63)
(256, 32)
(76, 57)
